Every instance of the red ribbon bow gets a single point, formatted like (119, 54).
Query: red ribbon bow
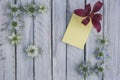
(95, 17)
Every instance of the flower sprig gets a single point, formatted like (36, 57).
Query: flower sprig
(15, 39)
(99, 69)
(85, 69)
(103, 42)
(15, 12)
(42, 9)
(102, 56)
(33, 9)
(15, 24)
(33, 50)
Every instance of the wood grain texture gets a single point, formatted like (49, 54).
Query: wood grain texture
(2, 44)
(92, 43)
(7, 58)
(43, 41)
(59, 48)
(58, 61)
(24, 62)
(112, 28)
(74, 55)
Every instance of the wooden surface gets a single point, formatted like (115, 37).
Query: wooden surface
(58, 60)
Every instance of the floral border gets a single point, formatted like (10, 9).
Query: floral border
(15, 13)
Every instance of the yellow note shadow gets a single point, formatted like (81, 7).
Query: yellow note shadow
(77, 33)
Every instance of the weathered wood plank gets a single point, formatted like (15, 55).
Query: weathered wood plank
(7, 58)
(59, 48)
(43, 40)
(112, 22)
(91, 43)
(2, 57)
(2, 43)
(74, 55)
(63, 59)
(25, 63)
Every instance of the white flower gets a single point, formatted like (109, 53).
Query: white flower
(31, 9)
(42, 9)
(15, 39)
(15, 24)
(103, 41)
(84, 69)
(32, 50)
(13, 10)
(101, 55)
(99, 69)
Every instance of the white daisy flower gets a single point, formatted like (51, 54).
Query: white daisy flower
(99, 69)
(84, 69)
(13, 10)
(42, 9)
(101, 55)
(15, 24)
(103, 41)
(31, 9)
(15, 39)
(32, 50)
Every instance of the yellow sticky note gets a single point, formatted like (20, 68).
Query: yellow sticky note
(77, 33)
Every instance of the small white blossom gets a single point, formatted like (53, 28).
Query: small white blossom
(84, 69)
(13, 10)
(15, 39)
(42, 9)
(31, 9)
(99, 69)
(102, 55)
(32, 50)
(15, 24)
(103, 41)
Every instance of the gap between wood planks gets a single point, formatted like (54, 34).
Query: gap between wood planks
(15, 2)
(85, 43)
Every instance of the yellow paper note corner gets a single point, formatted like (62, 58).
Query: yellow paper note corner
(77, 33)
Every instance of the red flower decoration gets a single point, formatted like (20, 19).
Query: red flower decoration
(95, 17)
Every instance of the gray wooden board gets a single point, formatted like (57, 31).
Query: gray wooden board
(92, 43)
(7, 52)
(74, 55)
(112, 28)
(43, 40)
(25, 63)
(59, 48)
(58, 60)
